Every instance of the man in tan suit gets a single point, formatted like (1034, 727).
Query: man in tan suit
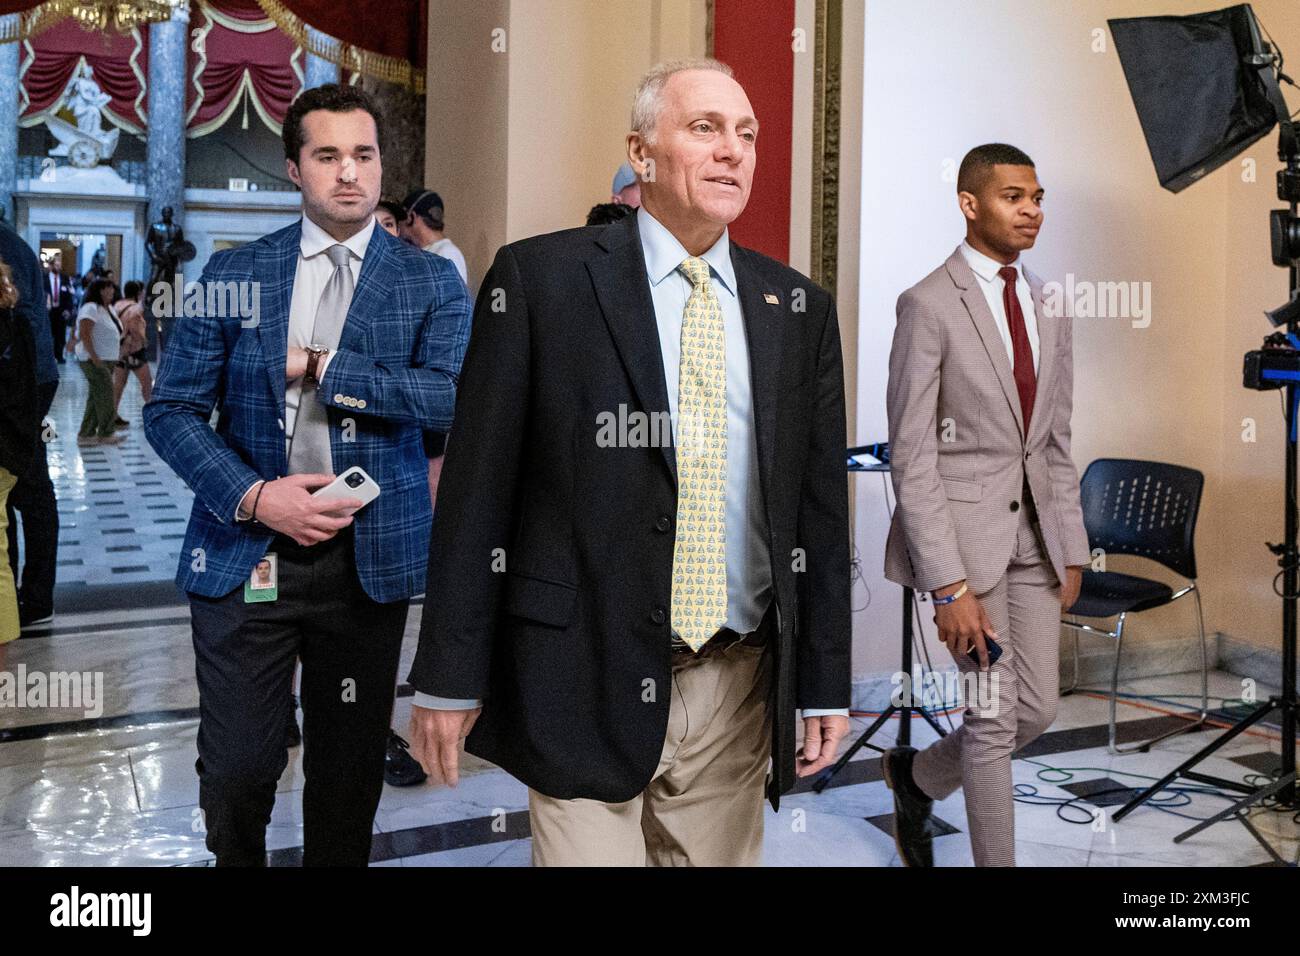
(988, 517)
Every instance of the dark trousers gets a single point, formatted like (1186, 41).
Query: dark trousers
(33, 499)
(58, 333)
(244, 660)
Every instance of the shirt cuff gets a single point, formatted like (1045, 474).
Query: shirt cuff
(238, 516)
(324, 363)
(826, 712)
(422, 699)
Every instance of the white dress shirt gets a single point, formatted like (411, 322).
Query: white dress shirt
(749, 569)
(309, 280)
(447, 249)
(991, 284)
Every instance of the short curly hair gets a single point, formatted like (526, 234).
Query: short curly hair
(333, 97)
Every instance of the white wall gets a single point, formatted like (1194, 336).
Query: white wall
(944, 75)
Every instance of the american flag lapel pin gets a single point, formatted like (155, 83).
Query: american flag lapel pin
(770, 299)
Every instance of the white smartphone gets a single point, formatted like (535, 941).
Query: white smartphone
(353, 483)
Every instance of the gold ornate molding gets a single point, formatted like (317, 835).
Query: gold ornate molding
(825, 218)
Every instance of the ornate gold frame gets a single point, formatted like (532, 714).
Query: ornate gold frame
(825, 214)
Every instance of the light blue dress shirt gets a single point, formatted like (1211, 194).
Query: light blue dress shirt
(749, 569)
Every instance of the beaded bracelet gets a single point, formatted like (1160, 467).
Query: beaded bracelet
(936, 601)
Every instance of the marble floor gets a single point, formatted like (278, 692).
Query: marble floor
(114, 783)
(122, 511)
(119, 788)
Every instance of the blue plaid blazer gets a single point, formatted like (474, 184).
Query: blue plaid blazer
(393, 376)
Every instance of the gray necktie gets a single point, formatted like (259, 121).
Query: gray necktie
(309, 450)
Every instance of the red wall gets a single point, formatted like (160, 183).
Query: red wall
(753, 37)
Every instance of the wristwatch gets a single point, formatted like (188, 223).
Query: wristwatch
(315, 354)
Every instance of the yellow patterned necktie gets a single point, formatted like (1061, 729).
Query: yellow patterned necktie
(699, 595)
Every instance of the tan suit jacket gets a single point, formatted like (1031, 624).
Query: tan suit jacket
(958, 454)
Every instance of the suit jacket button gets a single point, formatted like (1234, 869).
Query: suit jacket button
(658, 616)
(663, 524)
(361, 403)
(339, 398)
(1015, 506)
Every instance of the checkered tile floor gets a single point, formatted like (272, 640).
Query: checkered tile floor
(122, 512)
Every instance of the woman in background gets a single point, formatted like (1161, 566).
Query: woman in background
(99, 343)
(135, 357)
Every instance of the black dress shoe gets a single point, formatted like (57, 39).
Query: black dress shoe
(29, 618)
(912, 808)
(292, 735)
(400, 768)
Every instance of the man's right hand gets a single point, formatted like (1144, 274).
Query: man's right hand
(435, 740)
(287, 506)
(963, 625)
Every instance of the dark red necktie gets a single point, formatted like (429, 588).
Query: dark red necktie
(1026, 379)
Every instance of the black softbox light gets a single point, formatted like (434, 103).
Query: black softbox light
(1199, 99)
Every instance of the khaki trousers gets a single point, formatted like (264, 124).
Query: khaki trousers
(1024, 608)
(704, 805)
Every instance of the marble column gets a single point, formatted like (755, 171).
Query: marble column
(319, 70)
(166, 145)
(8, 116)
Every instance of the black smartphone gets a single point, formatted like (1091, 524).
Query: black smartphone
(994, 649)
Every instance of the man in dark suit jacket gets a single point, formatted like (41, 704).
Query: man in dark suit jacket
(641, 614)
(33, 495)
(60, 302)
(353, 353)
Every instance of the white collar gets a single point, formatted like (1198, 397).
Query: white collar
(985, 267)
(316, 240)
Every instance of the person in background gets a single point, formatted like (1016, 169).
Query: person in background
(423, 227)
(390, 215)
(99, 343)
(626, 188)
(602, 214)
(19, 428)
(33, 496)
(989, 522)
(135, 357)
(61, 302)
(400, 768)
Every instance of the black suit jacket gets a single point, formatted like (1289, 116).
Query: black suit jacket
(551, 556)
(65, 305)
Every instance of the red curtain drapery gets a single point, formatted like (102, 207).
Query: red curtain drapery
(386, 40)
(120, 64)
(238, 58)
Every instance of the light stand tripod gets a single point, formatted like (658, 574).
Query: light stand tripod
(907, 708)
(1286, 252)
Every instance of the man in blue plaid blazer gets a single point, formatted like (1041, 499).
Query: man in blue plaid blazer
(325, 345)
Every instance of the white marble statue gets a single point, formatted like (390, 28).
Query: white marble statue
(88, 143)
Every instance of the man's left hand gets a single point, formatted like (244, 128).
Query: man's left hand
(295, 364)
(821, 738)
(1070, 589)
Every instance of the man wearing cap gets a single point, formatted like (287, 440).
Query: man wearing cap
(423, 228)
(626, 188)
(640, 612)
